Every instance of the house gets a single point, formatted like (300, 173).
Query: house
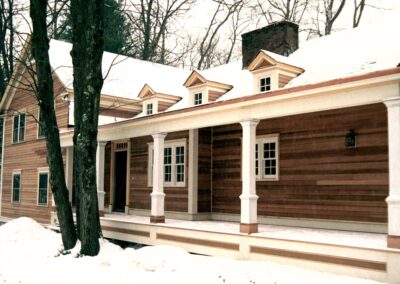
(303, 136)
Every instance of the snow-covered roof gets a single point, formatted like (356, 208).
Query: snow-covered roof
(127, 75)
(347, 53)
(339, 55)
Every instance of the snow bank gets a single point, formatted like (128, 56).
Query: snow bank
(28, 254)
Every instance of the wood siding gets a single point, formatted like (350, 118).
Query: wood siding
(176, 198)
(283, 80)
(28, 156)
(204, 170)
(319, 177)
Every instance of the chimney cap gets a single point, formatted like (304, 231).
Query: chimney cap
(272, 25)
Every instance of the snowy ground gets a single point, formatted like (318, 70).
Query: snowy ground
(28, 254)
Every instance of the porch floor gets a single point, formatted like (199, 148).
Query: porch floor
(298, 234)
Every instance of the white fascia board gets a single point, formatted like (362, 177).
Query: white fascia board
(369, 91)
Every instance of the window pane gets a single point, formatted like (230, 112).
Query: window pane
(269, 159)
(21, 127)
(180, 173)
(150, 109)
(180, 163)
(167, 173)
(16, 187)
(15, 128)
(167, 156)
(198, 98)
(16, 181)
(43, 187)
(43, 180)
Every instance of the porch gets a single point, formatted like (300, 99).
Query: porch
(357, 254)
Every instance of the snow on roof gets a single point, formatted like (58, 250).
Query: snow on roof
(279, 58)
(342, 54)
(126, 76)
(350, 52)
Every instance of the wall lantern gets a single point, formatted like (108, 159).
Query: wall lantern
(350, 139)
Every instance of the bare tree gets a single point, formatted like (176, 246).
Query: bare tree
(152, 26)
(43, 89)
(332, 12)
(208, 41)
(277, 10)
(7, 13)
(359, 6)
(87, 55)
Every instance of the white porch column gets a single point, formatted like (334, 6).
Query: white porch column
(393, 200)
(157, 196)
(248, 198)
(69, 170)
(193, 171)
(100, 158)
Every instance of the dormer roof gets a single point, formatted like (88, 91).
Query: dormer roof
(267, 59)
(148, 93)
(195, 79)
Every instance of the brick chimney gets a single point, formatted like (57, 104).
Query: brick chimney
(280, 37)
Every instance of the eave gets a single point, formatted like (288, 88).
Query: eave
(329, 94)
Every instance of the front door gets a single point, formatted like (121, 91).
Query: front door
(120, 181)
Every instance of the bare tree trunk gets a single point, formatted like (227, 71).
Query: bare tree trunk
(6, 43)
(87, 54)
(358, 12)
(45, 97)
(331, 15)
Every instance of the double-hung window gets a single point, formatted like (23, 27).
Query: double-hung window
(267, 158)
(174, 161)
(198, 99)
(265, 84)
(19, 128)
(149, 108)
(16, 187)
(43, 188)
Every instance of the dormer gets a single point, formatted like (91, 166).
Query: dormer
(202, 91)
(272, 71)
(154, 102)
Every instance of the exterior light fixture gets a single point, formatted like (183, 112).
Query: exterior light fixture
(350, 139)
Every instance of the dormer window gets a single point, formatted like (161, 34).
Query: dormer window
(154, 102)
(198, 99)
(272, 71)
(149, 109)
(265, 84)
(203, 91)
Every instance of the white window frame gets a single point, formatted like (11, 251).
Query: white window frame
(19, 123)
(43, 171)
(16, 172)
(260, 140)
(168, 144)
(199, 100)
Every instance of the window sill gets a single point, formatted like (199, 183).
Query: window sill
(268, 179)
(18, 142)
(170, 185)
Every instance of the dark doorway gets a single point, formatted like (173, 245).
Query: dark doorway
(120, 181)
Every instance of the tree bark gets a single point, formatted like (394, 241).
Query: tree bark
(45, 97)
(87, 53)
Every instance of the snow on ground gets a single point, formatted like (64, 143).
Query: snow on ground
(29, 253)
